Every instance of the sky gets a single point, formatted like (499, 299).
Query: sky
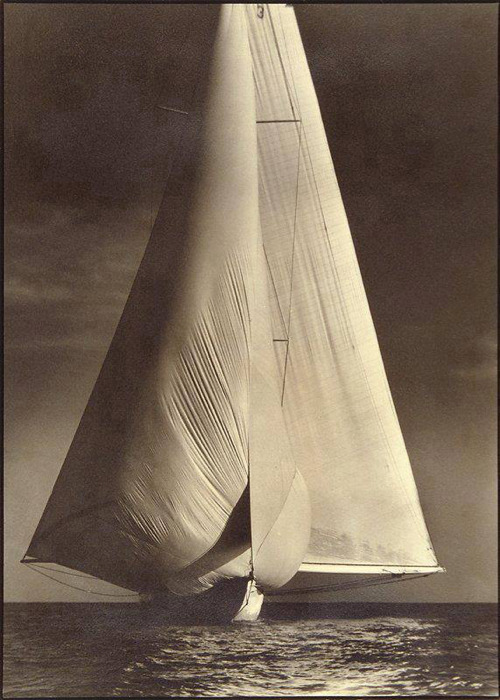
(408, 95)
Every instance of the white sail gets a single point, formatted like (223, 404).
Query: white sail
(159, 463)
(154, 493)
(242, 423)
(336, 401)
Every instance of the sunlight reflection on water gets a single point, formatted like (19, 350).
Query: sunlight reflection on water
(74, 650)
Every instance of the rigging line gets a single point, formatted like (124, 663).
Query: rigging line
(292, 264)
(151, 198)
(58, 571)
(340, 586)
(275, 290)
(365, 583)
(179, 144)
(294, 229)
(176, 152)
(172, 109)
(84, 590)
(299, 121)
(161, 90)
(249, 348)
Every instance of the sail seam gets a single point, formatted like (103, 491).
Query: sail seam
(274, 287)
(72, 516)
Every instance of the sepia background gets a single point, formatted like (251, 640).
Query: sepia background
(408, 95)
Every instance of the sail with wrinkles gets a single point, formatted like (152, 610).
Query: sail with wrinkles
(336, 401)
(158, 469)
(242, 424)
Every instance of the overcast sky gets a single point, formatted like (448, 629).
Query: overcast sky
(408, 96)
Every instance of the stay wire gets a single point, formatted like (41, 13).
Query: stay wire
(84, 590)
(58, 571)
(344, 586)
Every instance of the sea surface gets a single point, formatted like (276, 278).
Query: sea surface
(95, 650)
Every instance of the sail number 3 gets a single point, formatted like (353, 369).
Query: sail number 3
(260, 11)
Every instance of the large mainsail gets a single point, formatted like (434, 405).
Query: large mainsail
(336, 401)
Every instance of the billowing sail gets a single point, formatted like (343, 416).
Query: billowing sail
(336, 401)
(158, 469)
(155, 491)
(241, 424)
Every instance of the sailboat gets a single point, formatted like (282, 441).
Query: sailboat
(241, 440)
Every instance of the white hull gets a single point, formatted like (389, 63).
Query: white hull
(252, 603)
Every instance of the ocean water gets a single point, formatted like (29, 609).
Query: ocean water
(95, 650)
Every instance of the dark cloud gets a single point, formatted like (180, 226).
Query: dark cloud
(82, 83)
(409, 100)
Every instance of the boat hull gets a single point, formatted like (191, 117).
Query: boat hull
(251, 605)
(217, 606)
